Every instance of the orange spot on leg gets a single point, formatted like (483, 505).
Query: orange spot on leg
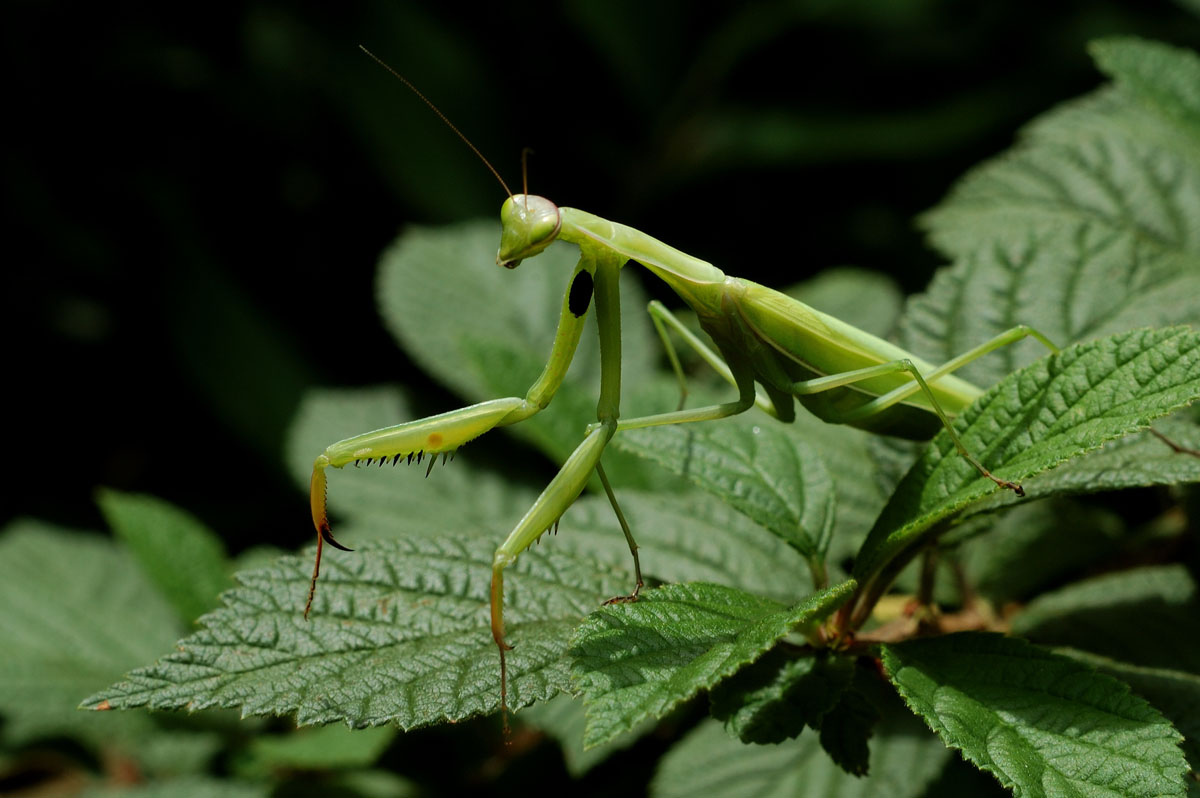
(434, 440)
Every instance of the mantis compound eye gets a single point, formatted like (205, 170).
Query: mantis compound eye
(531, 223)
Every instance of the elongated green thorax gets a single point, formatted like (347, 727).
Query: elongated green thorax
(696, 281)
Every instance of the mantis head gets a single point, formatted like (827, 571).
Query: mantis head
(531, 223)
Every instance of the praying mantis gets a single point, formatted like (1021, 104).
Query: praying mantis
(771, 348)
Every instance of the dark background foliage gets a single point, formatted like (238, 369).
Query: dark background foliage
(197, 194)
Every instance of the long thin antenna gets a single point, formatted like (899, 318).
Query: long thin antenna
(525, 153)
(441, 116)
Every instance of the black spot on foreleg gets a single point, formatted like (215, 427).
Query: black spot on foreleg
(581, 294)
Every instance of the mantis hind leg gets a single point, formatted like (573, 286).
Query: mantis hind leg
(1177, 448)
(1006, 338)
(921, 383)
(827, 383)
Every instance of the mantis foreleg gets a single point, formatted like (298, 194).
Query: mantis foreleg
(443, 434)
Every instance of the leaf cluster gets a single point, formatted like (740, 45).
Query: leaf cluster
(778, 554)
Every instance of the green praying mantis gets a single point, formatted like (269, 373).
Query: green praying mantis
(771, 348)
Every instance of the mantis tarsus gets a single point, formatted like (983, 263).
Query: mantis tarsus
(838, 372)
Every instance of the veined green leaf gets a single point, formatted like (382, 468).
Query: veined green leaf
(775, 479)
(691, 537)
(1134, 461)
(1159, 76)
(905, 760)
(183, 557)
(1044, 725)
(1081, 230)
(400, 633)
(564, 718)
(774, 698)
(1056, 409)
(1034, 544)
(1138, 460)
(642, 659)
(323, 748)
(846, 729)
(1174, 693)
(78, 612)
(1145, 616)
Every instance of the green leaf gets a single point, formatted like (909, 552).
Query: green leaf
(1174, 693)
(1083, 229)
(774, 698)
(1138, 460)
(183, 558)
(79, 612)
(323, 748)
(400, 632)
(850, 457)
(563, 718)
(1134, 461)
(642, 659)
(1056, 409)
(1036, 544)
(776, 479)
(1043, 724)
(1147, 616)
(905, 759)
(690, 537)
(844, 453)
(1161, 77)
(846, 729)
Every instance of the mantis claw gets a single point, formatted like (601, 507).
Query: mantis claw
(327, 534)
(632, 597)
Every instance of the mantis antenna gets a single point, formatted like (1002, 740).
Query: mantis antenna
(441, 116)
(525, 153)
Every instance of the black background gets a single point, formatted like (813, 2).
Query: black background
(196, 195)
